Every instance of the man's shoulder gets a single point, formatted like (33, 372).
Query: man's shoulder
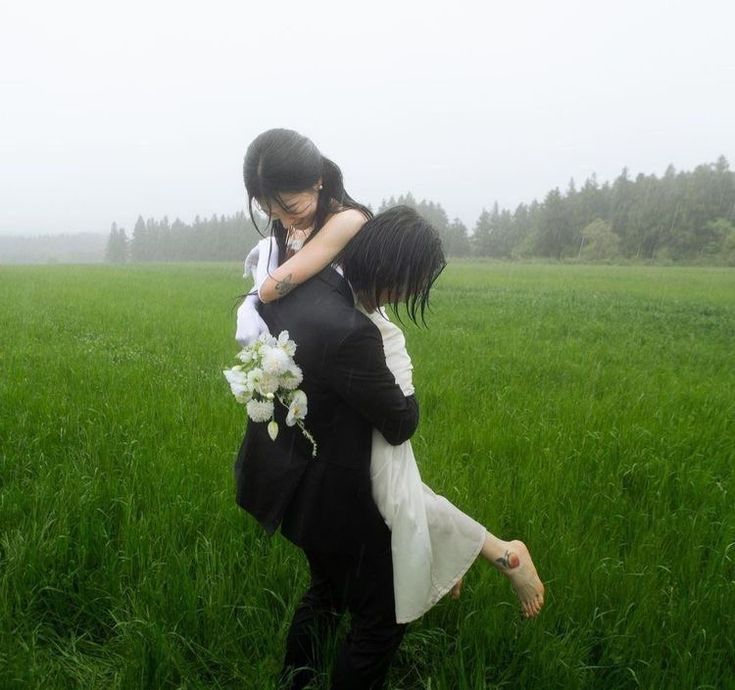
(324, 305)
(327, 282)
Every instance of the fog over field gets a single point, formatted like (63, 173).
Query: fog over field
(111, 112)
(575, 372)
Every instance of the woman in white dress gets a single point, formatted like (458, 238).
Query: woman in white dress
(312, 219)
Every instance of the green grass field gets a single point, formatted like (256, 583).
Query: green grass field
(587, 410)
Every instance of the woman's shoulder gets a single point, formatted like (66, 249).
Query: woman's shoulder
(338, 229)
(347, 217)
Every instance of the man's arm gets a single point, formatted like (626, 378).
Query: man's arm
(360, 375)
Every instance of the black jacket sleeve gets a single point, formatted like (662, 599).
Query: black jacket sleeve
(361, 377)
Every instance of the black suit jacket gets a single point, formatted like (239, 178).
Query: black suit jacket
(325, 503)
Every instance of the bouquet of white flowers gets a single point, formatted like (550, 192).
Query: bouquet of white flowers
(267, 374)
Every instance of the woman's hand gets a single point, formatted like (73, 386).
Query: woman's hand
(262, 259)
(250, 325)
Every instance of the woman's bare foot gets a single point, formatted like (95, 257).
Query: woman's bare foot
(514, 561)
(523, 577)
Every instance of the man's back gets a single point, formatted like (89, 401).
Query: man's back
(324, 502)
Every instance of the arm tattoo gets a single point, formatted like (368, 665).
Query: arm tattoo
(503, 560)
(283, 287)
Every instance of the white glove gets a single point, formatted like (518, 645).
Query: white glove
(249, 322)
(262, 260)
(267, 260)
(251, 262)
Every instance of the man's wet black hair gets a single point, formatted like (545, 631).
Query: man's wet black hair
(396, 254)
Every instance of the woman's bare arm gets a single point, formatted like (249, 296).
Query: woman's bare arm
(315, 255)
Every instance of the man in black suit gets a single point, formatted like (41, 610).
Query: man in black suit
(324, 504)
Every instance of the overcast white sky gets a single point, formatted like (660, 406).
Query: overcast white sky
(110, 110)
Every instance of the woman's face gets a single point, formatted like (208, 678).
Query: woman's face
(301, 208)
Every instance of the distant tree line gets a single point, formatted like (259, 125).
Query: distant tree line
(219, 238)
(682, 216)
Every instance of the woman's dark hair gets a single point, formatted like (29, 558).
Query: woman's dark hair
(398, 255)
(281, 160)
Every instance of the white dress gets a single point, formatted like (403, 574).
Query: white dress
(433, 543)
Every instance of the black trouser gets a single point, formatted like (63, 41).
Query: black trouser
(363, 585)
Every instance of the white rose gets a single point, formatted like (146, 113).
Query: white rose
(260, 410)
(238, 381)
(245, 355)
(288, 346)
(297, 409)
(292, 378)
(275, 361)
(267, 339)
(254, 376)
(267, 385)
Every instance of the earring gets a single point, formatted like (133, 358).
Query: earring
(321, 186)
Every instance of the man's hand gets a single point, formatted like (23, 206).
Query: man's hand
(359, 375)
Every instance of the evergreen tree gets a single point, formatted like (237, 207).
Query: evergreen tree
(552, 239)
(138, 241)
(457, 241)
(116, 251)
(112, 244)
(481, 242)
